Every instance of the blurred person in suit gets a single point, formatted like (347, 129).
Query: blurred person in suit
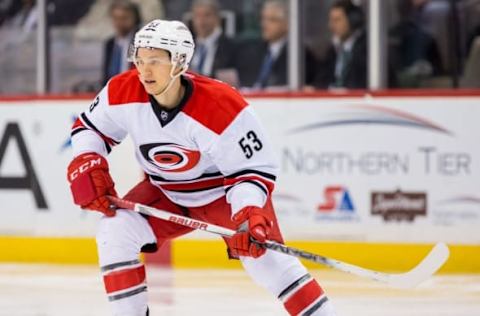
(126, 20)
(471, 71)
(7, 9)
(413, 52)
(345, 63)
(214, 51)
(24, 15)
(262, 63)
(97, 18)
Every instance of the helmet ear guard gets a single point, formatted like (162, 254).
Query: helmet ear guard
(131, 52)
(182, 60)
(179, 63)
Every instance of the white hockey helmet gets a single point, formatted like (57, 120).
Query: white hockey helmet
(172, 36)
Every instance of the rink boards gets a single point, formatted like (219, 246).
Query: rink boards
(368, 179)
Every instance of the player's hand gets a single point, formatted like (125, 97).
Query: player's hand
(252, 224)
(90, 183)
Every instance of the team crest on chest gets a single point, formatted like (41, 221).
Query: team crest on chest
(170, 157)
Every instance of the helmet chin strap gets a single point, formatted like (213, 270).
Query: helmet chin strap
(172, 79)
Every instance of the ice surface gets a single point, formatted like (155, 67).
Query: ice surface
(53, 290)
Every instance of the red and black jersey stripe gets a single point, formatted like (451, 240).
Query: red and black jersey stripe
(89, 124)
(263, 180)
(207, 181)
(83, 123)
(77, 127)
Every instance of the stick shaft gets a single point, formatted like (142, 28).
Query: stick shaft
(435, 258)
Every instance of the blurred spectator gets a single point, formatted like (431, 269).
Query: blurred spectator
(472, 37)
(345, 63)
(22, 14)
(471, 75)
(213, 50)
(263, 63)
(8, 8)
(25, 18)
(67, 12)
(413, 52)
(126, 21)
(96, 25)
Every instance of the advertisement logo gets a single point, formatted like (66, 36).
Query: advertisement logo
(372, 115)
(457, 210)
(170, 157)
(337, 205)
(381, 158)
(399, 205)
(13, 135)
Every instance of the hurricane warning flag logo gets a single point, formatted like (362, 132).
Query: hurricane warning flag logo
(170, 157)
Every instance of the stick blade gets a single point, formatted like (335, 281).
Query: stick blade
(424, 270)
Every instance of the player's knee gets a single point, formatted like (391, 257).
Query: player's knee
(112, 230)
(121, 237)
(274, 270)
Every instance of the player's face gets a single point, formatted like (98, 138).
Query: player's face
(154, 68)
(338, 23)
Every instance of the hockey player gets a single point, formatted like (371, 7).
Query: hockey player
(205, 155)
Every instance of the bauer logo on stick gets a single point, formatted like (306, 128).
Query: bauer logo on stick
(190, 223)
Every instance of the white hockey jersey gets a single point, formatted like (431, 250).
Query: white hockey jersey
(210, 145)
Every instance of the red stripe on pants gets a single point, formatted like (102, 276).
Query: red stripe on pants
(124, 279)
(303, 298)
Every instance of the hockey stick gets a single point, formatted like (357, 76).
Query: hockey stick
(424, 270)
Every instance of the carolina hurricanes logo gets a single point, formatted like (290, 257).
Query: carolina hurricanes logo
(170, 157)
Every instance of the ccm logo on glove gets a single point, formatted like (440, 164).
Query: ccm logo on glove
(87, 165)
(90, 183)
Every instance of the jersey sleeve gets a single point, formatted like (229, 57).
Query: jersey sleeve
(97, 129)
(245, 157)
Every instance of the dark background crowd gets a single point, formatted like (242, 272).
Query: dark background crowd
(430, 43)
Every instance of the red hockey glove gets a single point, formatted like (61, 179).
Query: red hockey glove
(90, 183)
(253, 223)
